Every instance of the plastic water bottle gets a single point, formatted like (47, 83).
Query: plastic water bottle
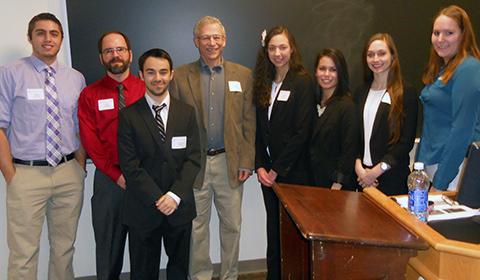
(418, 184)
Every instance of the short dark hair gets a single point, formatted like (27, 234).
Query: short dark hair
(158, 53)
(100, 41)
(43, 16)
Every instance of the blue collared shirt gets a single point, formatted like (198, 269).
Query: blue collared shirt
(451, 121)
(23, 106)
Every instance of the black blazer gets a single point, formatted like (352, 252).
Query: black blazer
(334, 144)
(287, 132)
(394, 181)
(152, 168)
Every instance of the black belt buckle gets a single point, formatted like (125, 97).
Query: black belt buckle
(214, 152)
(43, 162)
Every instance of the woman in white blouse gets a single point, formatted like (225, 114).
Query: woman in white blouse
(388, 119)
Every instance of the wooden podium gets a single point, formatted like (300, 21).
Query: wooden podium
(445, 259)
(340, 235)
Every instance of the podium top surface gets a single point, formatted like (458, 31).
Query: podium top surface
(435, 239)
(343, 216)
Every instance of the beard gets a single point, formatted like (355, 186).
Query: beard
(117, 69)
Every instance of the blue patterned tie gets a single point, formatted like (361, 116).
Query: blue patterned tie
(54, 138)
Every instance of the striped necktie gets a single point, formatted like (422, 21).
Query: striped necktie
(121, 97)
(158, 119)
(53, 152)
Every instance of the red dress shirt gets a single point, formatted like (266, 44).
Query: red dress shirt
(98, 120)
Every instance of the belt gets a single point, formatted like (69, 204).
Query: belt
(214, 152)
(43, 162)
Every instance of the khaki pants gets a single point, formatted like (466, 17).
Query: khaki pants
(36, 192)
(228, 202)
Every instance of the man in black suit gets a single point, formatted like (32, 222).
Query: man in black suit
(159, 152)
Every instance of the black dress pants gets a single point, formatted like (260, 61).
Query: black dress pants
(273, 233)
(110, 233)
(146, 247)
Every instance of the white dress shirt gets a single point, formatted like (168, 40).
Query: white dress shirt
(369, 112)
(273, 95)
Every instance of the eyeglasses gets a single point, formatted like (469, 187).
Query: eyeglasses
(111, 51)
(206, 38)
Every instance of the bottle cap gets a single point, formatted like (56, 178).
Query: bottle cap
(418, 166)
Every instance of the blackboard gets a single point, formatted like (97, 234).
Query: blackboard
(343, 24)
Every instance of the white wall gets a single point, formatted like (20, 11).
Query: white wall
(14, 17)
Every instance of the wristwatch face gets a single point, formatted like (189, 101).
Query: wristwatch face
(384, 166)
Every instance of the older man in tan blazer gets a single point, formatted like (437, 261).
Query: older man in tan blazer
(221, 93)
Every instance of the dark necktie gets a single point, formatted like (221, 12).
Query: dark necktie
(158, 119)
(121, 97)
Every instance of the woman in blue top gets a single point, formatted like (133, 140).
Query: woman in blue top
(451, 97)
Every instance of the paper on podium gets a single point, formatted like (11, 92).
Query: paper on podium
(443, 208)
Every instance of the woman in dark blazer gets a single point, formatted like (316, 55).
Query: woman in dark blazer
(335, 135)
(283, 94)
(388, 116)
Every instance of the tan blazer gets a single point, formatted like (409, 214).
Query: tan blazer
(239, 118)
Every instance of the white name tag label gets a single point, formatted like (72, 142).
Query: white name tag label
(105, 104)
(35, 94)
(179, 142)
(234, 86)
(283, 95)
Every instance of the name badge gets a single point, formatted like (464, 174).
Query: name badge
(386, 98)
(35, 94)
(105, 104)
(234, 86)
(179, 142)
(283, 95)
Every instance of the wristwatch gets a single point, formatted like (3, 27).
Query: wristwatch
(384, 166)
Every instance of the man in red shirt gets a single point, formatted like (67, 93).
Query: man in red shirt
(98, 108)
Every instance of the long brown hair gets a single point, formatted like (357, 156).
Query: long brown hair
(264, 72)
(394, 84)
(468, 46)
